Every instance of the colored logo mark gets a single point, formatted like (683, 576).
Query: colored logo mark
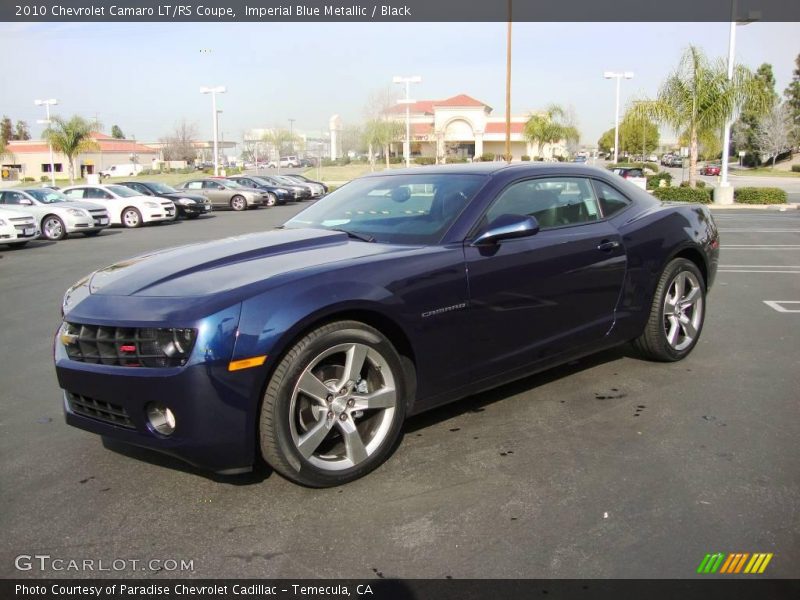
(735, 562)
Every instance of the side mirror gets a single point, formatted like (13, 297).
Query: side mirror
(507, 227)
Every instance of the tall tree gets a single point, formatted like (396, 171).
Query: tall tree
(281, 140)
(6, 130)
(792, 95)
(116, 133)
(745, 129)
(549, 127)
(698, 98)
(70, 138)
(380, 133)
(21, 131)
(774, 133)
(179, 144)
(637, 134)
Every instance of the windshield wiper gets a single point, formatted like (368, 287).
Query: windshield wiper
(356, 236)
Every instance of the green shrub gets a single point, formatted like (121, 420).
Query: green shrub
(44, 178)
(539, 159)
(759, 195)
(424, 160)
(456, 159)
(395, 160)
(327, 162)
(684, 194)
(796, 168)
(525, 158)
(28, 180)
(698, 183)
(654, 181)
(487, 156)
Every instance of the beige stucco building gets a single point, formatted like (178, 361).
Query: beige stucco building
(464, 127)
(32, 157)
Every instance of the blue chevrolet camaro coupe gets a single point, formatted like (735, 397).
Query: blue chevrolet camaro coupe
(310, 344)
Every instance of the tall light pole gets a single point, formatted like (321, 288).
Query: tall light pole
(618, 77)
(291, 133)
(508, 87)
(726, 194)
(221, 133)
(47, 104)
(219, 89)
(408, 102)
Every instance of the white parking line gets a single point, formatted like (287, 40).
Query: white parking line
(759, 266)
(776, 304)
(759, 230)
(755, 271)
(759, 246)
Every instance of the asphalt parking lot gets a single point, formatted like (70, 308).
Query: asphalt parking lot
(607, 467)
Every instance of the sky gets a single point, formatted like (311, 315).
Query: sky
(145, 77)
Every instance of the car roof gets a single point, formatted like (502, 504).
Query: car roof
(491, 168)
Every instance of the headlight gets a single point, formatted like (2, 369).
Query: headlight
(77, 291)
(185, 201)
(77, 212)
(149, 204)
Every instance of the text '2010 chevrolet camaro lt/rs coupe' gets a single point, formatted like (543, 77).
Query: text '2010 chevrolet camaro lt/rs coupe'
(309, 345)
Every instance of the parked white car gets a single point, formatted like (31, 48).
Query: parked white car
(17, 228)
(125, 207)
(56, 215)
(286, 161)
(123, 170)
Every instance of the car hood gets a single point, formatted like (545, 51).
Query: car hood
(260, 261)
(78, 204)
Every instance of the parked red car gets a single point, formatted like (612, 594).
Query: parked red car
(710, 170)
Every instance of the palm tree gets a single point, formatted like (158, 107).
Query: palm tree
(550, 127)
(698, 98)
(71, 138)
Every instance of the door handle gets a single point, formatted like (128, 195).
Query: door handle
(608, 245)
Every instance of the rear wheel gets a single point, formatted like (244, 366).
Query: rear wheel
(272, 199)
(238, 203)
(131, 217)
(334, 406)
(676, 314)
(53, 228)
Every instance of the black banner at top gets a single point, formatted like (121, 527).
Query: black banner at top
(266, 11)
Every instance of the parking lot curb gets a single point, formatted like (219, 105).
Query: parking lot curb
(777, 207)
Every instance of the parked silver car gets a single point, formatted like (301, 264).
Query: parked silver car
(225, 192)
(17, 228)
(56, 214)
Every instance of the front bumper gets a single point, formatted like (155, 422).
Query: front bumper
(193, 209)
(83, 224)
(215, 410)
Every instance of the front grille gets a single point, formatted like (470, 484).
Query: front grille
(22, 223)
(100, 410)
(128, 346)
(99, 214)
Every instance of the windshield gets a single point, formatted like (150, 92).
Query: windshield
(285, 180)
(122, 191)
(48, 196)
(402, 209)
(261, 180)
(162, 188)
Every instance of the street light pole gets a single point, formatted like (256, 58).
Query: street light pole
(408, 102)
(618, 77)
(47, 104)
(291, 134)
(220, 89)
(726, 196)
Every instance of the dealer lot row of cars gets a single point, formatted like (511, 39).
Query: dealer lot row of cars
(53, 214)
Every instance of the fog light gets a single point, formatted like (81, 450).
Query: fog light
(161, 418)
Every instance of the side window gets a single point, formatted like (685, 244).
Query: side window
(138, 187)
(194, 185)
(611, 201)
(553, 201)
(12, 198)
(211, 185)
(97, 194)
(76, 194)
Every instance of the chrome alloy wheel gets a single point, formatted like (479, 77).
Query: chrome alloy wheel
(343, 406)
(683, 310)
(53, 228)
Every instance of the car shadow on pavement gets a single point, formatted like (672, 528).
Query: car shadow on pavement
(261, 471)
(479, 401)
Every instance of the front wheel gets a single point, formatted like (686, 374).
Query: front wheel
(238, 203)
(131, 218)
(334, 406)
(676, 314)
(53, 228)
(272, 199)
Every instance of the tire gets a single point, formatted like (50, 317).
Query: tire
(272, 199)
(53, 228)
(673, 329)
(301, 398)
(131, 218)
(238, 203)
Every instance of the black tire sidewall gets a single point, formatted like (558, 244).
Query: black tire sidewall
(308, 474)
(673, 268)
